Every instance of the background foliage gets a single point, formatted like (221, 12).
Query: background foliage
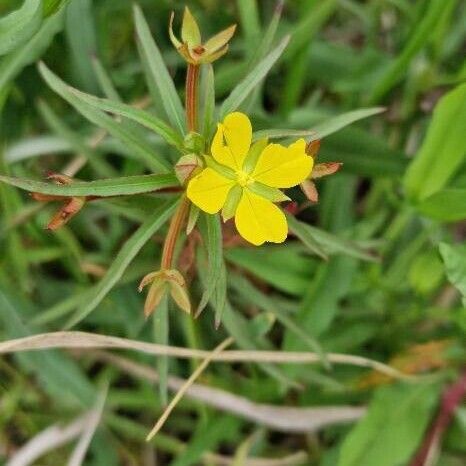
(391, 222)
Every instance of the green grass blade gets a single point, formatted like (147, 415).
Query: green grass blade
(158, 73)
(81, 35)
(60, 375)
(50, 7)
(247, 85)
(13, 63)
(421, 35)
(103, 188)
(125, 256)
(139, 146)
(20, 25)
(104, 80)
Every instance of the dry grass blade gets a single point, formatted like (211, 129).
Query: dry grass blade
(280, 418)
(295, 459)
(49, 439)
(185, 387)
(79, 453)
(91, 340)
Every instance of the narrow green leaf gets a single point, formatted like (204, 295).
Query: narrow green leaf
(321, 130)
(81, 36)
(454, 257)
(247, 85)
(103, 188)
(52, 6)
(12, 64)
(252, 295)
(276, 133)
(267, 262)
(393, 427)
(20, 25)
(140, 116)
(268, 37)
(444, 147)
(395, 72)
(305, 234)
(117, 129)
(75, 140)
(249, 21)
(123, 259)
(104, 80)
(207, 437)
(332, 125)
(213, 243)
(304, 31)
(158, 73)
(333, 244)
(60, 375)
(297, 57)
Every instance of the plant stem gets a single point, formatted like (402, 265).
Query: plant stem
(192, 77)
(173, 233)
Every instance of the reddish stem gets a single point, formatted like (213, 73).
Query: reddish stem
(173, 233)
(192, 76)
(451, 398)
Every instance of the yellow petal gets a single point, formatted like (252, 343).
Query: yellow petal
(232, 140)
(258, 220)
(283, 167)
(209, 190)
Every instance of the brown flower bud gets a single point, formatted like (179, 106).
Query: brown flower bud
(191, 47)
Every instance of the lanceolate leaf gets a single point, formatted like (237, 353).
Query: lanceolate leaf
(20, 25)
(52, 6)
(125, 256)
(31, 50)
(443, 149)
(158, 73)
(305, 234)
(117, 129)
(332, 125)
(448, 205)
(102, 188)
(322, 130)
(454, 258)
(247, 85)
(213, 244)
(392, 428)
(322, 243)
(135, 114)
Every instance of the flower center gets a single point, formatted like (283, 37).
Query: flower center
(243, 178)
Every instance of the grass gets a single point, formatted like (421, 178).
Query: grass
(373, 275)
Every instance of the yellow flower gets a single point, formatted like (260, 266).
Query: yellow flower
(244, 180)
